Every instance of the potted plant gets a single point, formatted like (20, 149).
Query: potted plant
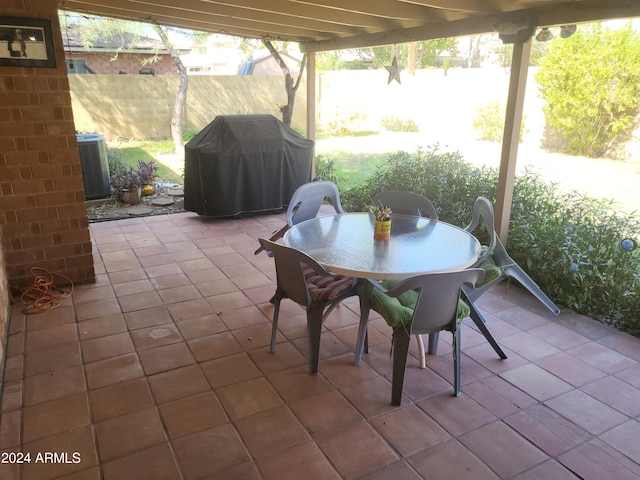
(147, 174)
(127, 185)
(382, 226)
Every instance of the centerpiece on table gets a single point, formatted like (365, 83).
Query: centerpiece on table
(382, 225)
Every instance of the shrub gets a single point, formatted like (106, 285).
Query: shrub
(126, 180)
(188, 135)
(591, 84)
(326, 169)
(123, 176)
(489, 122)
(117, 165)
(437, 176)
(397, 124)
(147, 171)
(571, 244)
(345, 124)
(568, 243)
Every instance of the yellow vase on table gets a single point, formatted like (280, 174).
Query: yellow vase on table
(382, 229)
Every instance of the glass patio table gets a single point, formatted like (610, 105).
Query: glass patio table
(344, 244)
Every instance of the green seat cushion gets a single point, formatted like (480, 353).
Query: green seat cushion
(398, 311)
(491, 270)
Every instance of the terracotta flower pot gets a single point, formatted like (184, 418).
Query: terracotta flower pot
(130, 195)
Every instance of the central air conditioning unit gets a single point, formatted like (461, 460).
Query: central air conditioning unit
(95, 166)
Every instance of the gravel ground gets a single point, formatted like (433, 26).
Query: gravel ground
(167, 198)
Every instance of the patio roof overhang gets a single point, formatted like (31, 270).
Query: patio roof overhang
(340, 24)
(343, 24)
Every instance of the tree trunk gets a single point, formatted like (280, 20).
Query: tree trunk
(181, 95)
(287, 110)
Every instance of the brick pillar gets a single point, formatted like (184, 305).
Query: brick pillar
(43, 216)
(4, 313)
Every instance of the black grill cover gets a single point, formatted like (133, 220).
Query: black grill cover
(241, 164)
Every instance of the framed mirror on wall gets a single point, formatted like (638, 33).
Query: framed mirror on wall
(26, 42)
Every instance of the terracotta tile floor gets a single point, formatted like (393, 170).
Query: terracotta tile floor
(161, 370)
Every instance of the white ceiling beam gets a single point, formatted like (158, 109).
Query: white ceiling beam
(219, 22)
(561, 14)
(391, 9)
(474, 7)
(459, 28)
(286, 11)
(344, 24)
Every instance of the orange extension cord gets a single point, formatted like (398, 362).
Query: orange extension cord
(42, 294)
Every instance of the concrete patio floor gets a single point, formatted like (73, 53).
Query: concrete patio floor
(161, 370)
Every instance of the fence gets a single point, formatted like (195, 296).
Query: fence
(442, 102)
(140, 106)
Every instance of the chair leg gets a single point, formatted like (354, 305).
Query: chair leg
(314, 327)
(423, 360)
(363, 338)
(457, 352)
(329, 310)
(274, 327)
(527, 282)
(480, 322)
(366, 342)
(433, 343)
(400, 351)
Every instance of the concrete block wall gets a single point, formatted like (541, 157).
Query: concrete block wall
(140, 106)
(121, 105)
(442, 105)
(240, 95)
(42, 206)
(135, 106)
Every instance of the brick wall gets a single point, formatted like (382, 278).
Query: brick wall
(125, 62)
(42, 206)
(140, 106)
(4, 312)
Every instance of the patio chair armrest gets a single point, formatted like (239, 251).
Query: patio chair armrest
(377, 285)
(277, 234)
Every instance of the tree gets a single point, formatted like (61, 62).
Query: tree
(331, 60)
(181, 95)
(425, 53)
(290, 86)
(249, 46)
(126, 34)
(92, 31)
(591, 84)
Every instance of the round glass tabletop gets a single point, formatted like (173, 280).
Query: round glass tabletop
(344, 244)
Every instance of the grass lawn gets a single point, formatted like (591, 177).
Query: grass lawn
(352, 168)
(357, 158)
(170, 169)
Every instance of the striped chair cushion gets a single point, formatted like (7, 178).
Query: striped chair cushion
(325, 288)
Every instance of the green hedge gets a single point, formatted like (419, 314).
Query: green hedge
(568, 243)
